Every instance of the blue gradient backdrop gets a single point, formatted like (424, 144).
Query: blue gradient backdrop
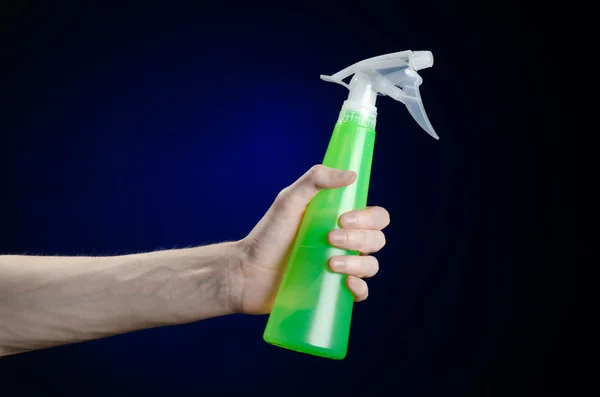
(154, 125)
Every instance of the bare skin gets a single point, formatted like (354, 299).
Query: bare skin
(51, 301)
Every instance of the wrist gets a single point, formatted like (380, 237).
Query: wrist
(219, 279)
(234, 276)
(231, 278)
(202, 282)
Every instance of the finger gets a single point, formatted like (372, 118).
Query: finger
(376, 218)
(358, 287)
(318, 177)
(363, 241)
(280, 223)
(359, 266)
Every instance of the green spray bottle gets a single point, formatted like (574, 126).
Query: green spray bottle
(313, 307)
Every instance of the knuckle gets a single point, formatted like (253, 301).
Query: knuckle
(283, 193)
(287, 199)
(282, 197)
(359, 219)
(316, 172)
(358, 236)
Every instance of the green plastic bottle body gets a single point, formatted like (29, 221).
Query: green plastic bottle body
(313, 308)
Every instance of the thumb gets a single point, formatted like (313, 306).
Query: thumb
(280, 223)
(318, 177)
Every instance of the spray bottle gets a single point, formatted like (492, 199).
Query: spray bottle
(313, 307)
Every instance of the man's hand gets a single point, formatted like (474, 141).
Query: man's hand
(254, 282)
(48, 301)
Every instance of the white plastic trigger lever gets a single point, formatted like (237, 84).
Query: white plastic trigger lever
(394, 75)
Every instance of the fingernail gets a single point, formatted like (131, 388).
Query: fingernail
(341, 174)
(338, 264)
(337, 236)
(351, 219)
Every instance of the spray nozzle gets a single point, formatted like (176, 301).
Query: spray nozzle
(394, 75)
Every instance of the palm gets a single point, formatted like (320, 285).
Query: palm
(268, 246)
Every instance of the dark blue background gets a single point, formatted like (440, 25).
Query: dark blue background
(148, 126)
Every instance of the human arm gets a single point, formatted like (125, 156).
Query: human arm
(47, 301)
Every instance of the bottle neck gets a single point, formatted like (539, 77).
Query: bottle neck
(362, 116)
(359, 108)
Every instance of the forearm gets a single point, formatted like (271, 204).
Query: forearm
(49, 301)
